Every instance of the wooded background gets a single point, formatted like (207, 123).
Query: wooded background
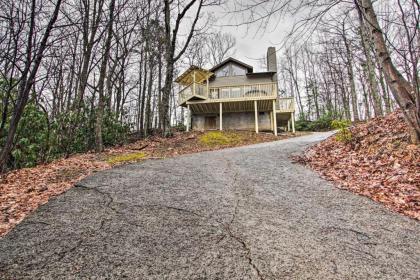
(82, 75)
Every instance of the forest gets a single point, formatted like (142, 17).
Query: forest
(83, 75)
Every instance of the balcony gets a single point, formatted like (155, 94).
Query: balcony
(194, 91)
(203, 94)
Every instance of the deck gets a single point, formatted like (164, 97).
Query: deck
(236, 98)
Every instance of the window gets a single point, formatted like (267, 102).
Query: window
(230, 69)
(214, 93)
(224, 93)
(224, 71)
(237, 70)
(235, 92)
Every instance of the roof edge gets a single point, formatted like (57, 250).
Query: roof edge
(231, 59)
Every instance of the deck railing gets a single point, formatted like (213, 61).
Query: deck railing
(239, 92)
(243, 91)
(285, 104)
(194, 89)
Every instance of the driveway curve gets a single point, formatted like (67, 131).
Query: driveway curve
(240, 213)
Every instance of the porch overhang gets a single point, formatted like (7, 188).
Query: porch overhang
(230, 106)
(193, 74)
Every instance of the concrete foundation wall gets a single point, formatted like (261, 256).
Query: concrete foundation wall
(239, 121)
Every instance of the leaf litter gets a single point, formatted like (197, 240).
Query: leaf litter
(378, 162)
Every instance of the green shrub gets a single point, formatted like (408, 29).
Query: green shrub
(180, 127)
(323, 123)
(37, 140)
(32, 134)
(113, 131)
(303, 125)
(344, 133)
(75, 133)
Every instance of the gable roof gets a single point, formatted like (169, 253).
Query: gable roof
(231, 59)
(187, 77)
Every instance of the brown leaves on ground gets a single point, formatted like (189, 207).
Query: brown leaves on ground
(379, 162)
(24, 190)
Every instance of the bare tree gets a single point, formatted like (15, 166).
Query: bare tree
(29, 73)
(101, 82)
(220, 46)
(404, 93)
(171, 41)
(401, 38)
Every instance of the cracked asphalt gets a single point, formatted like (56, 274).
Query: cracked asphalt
(240, 213)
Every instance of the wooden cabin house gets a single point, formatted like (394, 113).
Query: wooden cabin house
(232, 96)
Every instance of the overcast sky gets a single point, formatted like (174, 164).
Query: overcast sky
(252, 43)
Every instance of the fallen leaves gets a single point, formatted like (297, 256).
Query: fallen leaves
(379, 162)
(24, 190)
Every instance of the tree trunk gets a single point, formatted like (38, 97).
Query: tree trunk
(370, 69)
(164, 108)
(88, 43)
(99, 145)
(365, 96)
(385, 92)
(159, 97)
(352, 83)
(148, 115)
(170, 42)
(402, 91)
(143, 96)
(139, 92)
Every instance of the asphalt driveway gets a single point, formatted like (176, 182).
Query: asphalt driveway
(241, 213)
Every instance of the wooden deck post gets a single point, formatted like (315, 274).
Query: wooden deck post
(288, 125)
(220, 116)
(188, 118)
(207, 88)
(274, 117)
(256, 116)
(272, 121)
(293, 122)
(194, 82)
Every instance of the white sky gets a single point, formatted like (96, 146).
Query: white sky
(251, 43)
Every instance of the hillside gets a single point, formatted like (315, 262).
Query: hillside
(378, 162)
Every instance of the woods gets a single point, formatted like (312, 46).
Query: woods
(83, 75)
(209, 139)
(353, 61)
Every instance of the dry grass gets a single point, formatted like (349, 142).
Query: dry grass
(126, 158)
(220, 138)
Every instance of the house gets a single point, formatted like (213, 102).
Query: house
(232, 96)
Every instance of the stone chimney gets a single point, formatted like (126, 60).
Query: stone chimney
(271, 59)
(272, 62)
